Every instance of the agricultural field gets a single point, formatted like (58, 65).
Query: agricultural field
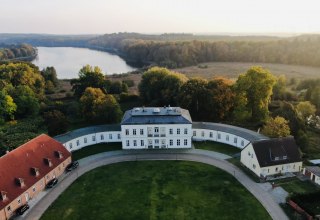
(156, 190)
(233, 69)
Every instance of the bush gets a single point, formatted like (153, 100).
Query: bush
(129, 82)
(125, 97)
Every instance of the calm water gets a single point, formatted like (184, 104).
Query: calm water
(69, 60)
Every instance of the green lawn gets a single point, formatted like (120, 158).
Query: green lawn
(156, 190)
(215, 146)
(294, 185)
(95, 149)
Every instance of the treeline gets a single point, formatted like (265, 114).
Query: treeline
(17, 51)
(245, 102)
(47, 40)
(179, 50)
(303, 50)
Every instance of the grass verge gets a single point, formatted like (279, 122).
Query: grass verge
(215, 146)
(157, 190)
(95, 149)
(295, 185)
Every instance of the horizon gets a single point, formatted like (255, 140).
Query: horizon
(229, 34)
(97, 17)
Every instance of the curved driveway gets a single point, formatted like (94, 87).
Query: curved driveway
(214, 159)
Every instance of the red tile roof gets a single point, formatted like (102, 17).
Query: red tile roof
(20, 163)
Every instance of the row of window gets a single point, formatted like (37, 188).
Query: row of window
(26, 195)
(156, 142)
(235, 139)
(156, 130)
(277, 169)
(93, 138)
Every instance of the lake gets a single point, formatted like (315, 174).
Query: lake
(69, 60)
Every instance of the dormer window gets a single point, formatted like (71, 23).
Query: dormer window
(48, 162)
(35, 171)
(20, 182)
(58, 154)
(3, 196)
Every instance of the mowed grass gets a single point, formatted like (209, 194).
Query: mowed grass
(233, 69)
(295, 185)
(217, 147)
(156, 190)
(95, 149)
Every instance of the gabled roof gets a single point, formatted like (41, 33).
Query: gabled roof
(63, 138)
(276, 151)
(26, 165)
(241, 132)
(156, 115)
(314, 169)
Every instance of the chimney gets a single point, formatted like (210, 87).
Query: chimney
(58, 154)
(20, 182)
(35, 171)
(3, 196)
(47, 161)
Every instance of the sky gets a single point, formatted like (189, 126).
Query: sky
(159, 16)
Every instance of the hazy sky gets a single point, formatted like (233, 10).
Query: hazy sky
(159, 16)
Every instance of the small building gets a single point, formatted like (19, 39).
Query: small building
(273, 156)
(25, 171)
(313, 172)
(155, 128)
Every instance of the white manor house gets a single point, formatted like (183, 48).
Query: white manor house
(173, 128)
(165, 127)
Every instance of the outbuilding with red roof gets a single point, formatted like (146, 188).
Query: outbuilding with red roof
(25, 171)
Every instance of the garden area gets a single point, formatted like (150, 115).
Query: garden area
(95, 149)
(157, 190)
(217, 147)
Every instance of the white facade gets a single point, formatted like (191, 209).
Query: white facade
(156, 136)
(219, 136)
(249, 159)
(91, 139)
(313, 176)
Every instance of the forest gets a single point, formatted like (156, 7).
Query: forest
(180, 50)
(17, 51)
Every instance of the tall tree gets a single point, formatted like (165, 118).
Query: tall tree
(160, 86)
(50, 74)
(26, 100)
(99, 107)
(56, 121)
(25, 74)
(305, 109)
(88, 77)
(221, 98)
(7, 106)
(288, 111)
(279, 88)
(256, 86)
(276, 127)
(195, 96)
